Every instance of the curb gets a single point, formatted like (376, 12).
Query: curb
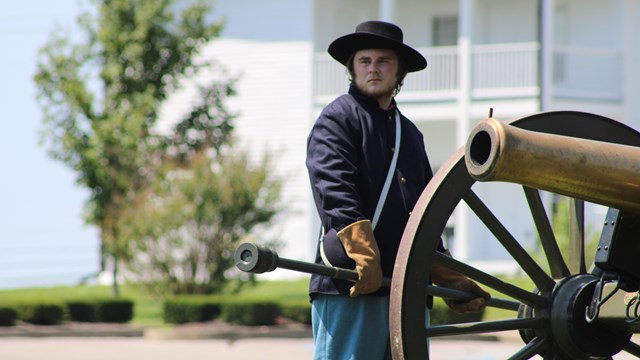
(209, 330)
(223, 331)
(72, 330)
(200, 331)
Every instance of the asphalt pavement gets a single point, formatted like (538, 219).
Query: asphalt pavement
(212, 342)
(137, 348)
(119, 348)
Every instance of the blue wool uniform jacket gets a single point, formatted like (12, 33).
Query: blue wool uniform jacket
(349, 151)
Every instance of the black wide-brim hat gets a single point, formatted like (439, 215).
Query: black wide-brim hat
(376, 35)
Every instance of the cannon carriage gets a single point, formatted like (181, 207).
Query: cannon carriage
(576, 310)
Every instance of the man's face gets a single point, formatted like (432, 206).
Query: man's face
(376, 72)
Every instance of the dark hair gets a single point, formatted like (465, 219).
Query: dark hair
(403, 70)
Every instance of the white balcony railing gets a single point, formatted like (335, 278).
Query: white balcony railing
(442, 74)
(506, 69)
(498, 70)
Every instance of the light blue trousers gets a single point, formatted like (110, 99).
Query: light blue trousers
(347, 328)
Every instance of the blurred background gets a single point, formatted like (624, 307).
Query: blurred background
(518, 58)
(44, 240)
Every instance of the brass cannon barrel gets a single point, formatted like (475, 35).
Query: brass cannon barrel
(595, 171)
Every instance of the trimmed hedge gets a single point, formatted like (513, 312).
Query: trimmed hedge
(252, 312)
(41, 313)
(297, 311)
(8, 316)
(115, 311)
(101, 310)
(82, 311)
(240, 311)
(187, 309)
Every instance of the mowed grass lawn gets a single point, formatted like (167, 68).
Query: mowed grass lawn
(148, 310)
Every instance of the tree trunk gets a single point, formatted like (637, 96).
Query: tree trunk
(115, 289)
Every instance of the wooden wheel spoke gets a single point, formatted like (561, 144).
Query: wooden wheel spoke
(483, 327)
(633, 349)
(448, 293)
(493, 282)
(534, 347)
(543, 281)
(557, 265)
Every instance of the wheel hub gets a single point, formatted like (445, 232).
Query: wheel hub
(572, 337)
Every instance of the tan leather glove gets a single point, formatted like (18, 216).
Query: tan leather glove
(445, 277)
(361, 247)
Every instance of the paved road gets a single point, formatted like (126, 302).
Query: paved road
(247, 349)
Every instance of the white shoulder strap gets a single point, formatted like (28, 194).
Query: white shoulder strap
(392, 168)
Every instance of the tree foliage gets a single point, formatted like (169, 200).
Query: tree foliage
(192, 221)
(101, 97)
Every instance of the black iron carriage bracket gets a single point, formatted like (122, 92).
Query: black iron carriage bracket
(616, 300)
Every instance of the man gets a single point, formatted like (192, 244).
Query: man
(368, 166)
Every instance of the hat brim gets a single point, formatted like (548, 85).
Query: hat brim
(343, 47)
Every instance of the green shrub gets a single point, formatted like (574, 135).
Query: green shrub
(187, 309)
(297, 311)
(8, 316)
(441, 314)
(251, 312)
(41, 313)
(115, 311)
(243, 311)
(82, 311)
(100, 310)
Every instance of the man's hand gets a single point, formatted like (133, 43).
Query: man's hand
(361, 246)
(445, 277)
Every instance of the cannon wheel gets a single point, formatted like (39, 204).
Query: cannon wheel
(545, 319)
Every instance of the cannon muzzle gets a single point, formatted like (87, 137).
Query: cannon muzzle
(595, 171)
(256, 259)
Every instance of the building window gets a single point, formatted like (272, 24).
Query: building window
(445, 31)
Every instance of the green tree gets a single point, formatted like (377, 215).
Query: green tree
(101, 97)
(190, 223)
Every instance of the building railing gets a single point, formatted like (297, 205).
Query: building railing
(497, 70)
(511, 68)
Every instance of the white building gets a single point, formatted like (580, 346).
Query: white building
(517, 57)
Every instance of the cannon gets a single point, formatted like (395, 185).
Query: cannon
(571, 312)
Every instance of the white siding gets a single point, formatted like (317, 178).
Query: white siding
(631, 90)
(273, 104)
(333, 18)
(505, 21)
(272, 20)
